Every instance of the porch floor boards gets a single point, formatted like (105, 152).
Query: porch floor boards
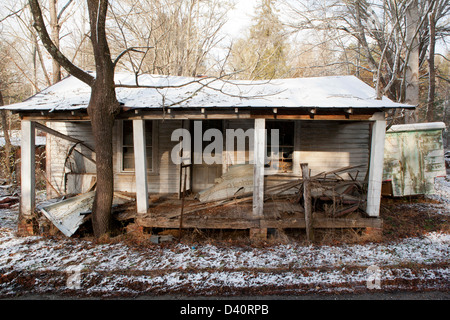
(278, 214)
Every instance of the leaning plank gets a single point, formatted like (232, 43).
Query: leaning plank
(333, 172)
(60, 135)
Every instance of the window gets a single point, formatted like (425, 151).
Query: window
(285, 145)
(128, 145)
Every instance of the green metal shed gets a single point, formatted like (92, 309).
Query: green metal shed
(413, 158)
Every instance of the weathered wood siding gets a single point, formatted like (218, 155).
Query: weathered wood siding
(165, 179)
(58, 170)
(79, 172)
(324, 145)
(330, 145)
(238, 155)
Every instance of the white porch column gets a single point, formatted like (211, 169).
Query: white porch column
(258, 171)
(27, 164)
(376, 165)
(296, 155)
(140, 167)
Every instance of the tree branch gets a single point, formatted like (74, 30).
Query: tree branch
(56, 54)
(11, 14)
(64, 9)
(134, 49)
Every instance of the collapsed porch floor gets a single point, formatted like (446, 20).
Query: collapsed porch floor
(164, 212)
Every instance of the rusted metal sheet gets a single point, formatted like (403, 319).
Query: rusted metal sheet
(413, 158)
(69, 214)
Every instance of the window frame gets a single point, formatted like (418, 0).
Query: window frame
(268, 169)
(155, 148)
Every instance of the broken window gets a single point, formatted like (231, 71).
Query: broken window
(128, 145)
(285, 146)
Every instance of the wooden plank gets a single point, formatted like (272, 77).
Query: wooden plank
(307, 202)
(56, 133)
(46, 116)
(258, 173)
(199, 222)
(322, 223)
(297, 222)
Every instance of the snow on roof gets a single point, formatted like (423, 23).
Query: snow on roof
(417, 127)
(171, 91)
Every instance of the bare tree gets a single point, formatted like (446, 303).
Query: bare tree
(438, 10)
(103, 105)
(5, 128)
(180, 33)
(388, 38)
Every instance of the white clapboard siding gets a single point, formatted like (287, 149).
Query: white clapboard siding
(165, 178)
(231, 157)
(324, 145)
(58, 148)
(330, 145)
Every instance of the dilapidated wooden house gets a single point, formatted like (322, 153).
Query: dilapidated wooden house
(334, 124)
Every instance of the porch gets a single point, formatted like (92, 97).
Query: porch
(169, 212)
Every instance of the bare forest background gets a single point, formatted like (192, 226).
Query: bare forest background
(399, 47)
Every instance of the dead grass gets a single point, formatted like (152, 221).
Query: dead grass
(411, 217)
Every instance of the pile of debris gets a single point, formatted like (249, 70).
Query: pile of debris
(329, 191)
(9, 196)
(68, 214)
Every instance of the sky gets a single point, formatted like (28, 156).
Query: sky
(241, 17)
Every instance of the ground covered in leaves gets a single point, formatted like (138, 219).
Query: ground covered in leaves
(412, 254)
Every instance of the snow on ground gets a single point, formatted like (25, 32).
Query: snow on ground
(442, 194)
(40, 265)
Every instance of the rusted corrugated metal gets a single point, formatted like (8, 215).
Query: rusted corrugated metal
(67, 215)
(413, 158)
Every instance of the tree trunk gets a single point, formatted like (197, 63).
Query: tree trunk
(412, 65)
(103, 105)
(102, 108)
(54, 26)
(431, 70)
(5, 127)
(102, 120)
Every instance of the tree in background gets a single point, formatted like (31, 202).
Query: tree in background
(103, 105)
(181, 34)
(263, 53)
(379, 40)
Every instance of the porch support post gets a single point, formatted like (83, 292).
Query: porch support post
(296, 155)
(27, 180)
(376, 165)
(140, 161)
(258, 171)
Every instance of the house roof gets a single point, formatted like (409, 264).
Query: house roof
(417, 127)
(175, 92)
